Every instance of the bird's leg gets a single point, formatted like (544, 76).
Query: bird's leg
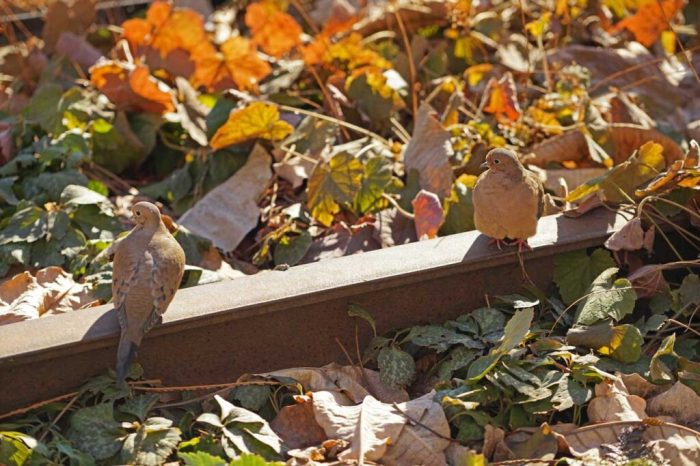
(499, 243)
(523, 245)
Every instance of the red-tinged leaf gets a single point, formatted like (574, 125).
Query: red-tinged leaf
(132, 89)
(651, 20)
(503, 100)
(428, 212)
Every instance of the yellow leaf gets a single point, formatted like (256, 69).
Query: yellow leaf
(476, 73)
(668, 41)
(539, 26)
(258, 120)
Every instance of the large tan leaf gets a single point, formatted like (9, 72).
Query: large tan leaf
(379, 431)
(51, 291)
(612, 402)
(628, 137)
(428, 152)
(228, 212)
(679, 401)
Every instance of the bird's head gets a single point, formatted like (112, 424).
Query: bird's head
(502, 160)
(145, 214)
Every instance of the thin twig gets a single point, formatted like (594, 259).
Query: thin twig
(399, 209)
(59, 416)
(418, 423)
(687, 327)
(411, 64)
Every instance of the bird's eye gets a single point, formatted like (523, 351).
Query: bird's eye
(138, 213)
(496, 161)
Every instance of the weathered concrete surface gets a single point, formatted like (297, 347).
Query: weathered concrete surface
(214, 333)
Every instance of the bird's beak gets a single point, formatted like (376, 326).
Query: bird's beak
(484, 166)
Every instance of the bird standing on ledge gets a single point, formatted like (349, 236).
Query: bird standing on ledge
(508, 200)
(148, 267)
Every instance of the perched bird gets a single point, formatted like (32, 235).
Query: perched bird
(148, 267)
(508, 199)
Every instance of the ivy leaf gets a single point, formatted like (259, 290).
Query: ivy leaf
(334, 183)
(201, 458)
(43, 108)
(152, 444)
(622, 343)
(243, 431)
(396, 367)
(607, 298)
(7, 194)
(28, 224)
(689, 292)
(95, 431)
(482, 366)
(257, 120)
(253, 460)
(376, 177)
(139, 406)
(574, 271)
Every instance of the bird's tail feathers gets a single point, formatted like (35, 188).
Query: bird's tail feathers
(125, 356)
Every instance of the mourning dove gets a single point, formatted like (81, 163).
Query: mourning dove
(148, 267)
(508, 199)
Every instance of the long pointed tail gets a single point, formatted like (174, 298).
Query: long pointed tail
(125, 356)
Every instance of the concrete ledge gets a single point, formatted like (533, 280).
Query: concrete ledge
(214, 333)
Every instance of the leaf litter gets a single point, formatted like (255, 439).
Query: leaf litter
(275, 135)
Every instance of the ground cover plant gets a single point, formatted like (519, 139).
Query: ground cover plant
(276, 133)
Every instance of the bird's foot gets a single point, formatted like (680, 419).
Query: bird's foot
(523, 245)
(499, 243)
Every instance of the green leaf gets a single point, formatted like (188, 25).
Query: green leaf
(459, 207)
(533, 393)
(483, 366)
(626, 345)
(292, 248)
(355, 310)
(43, 108)
(15, 448)
(459, 358)
(490, 320)
(658, 369)
(516, 330)
(28, 224)
(332, 184)
(606, 298)
(370, 102)
(218, 115)
(77, 457)
(396, 367)
(689, 292)
(139, 406)
(377, 175)
(440, 338)
(201, 458)
(152, 444)
(574, 271)
(253, 460)
(569, 392)
(95, 431)
(76, 195)
(252, 397)
(7, 194)
(115, 145)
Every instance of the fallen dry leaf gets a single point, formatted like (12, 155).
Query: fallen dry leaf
(612, 402)
(503, 100)
(379, 431)
(651, 20)
(297, 426)
(132, 89)
(680, 401)
(51, 291)
(428, 152)
(429, 215)
(227, 213)
(275, 31)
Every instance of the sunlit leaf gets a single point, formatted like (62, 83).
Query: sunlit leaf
(332, 184)
(396, 367)
(242, 61)
(132, 89)
(275, 31)
(606, 298)
(428, 213)
(650, 20)
(257, 120)
(574, 271)
(503, 98)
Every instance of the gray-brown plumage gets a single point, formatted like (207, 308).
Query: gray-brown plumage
(508, 199)
(148, 267)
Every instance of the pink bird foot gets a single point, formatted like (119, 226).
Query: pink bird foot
(499, 243)
(523, 245)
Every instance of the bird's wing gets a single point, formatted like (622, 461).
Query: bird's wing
(125, 274)
(166, 275)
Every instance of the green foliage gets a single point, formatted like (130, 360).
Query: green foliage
(574, 271)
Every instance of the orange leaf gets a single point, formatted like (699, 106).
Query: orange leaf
(243, 62)
(257, 120)
(650, 20)
(135, 31)
(503, 101)
(428, 212)
(275, 31)
(132, 90)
